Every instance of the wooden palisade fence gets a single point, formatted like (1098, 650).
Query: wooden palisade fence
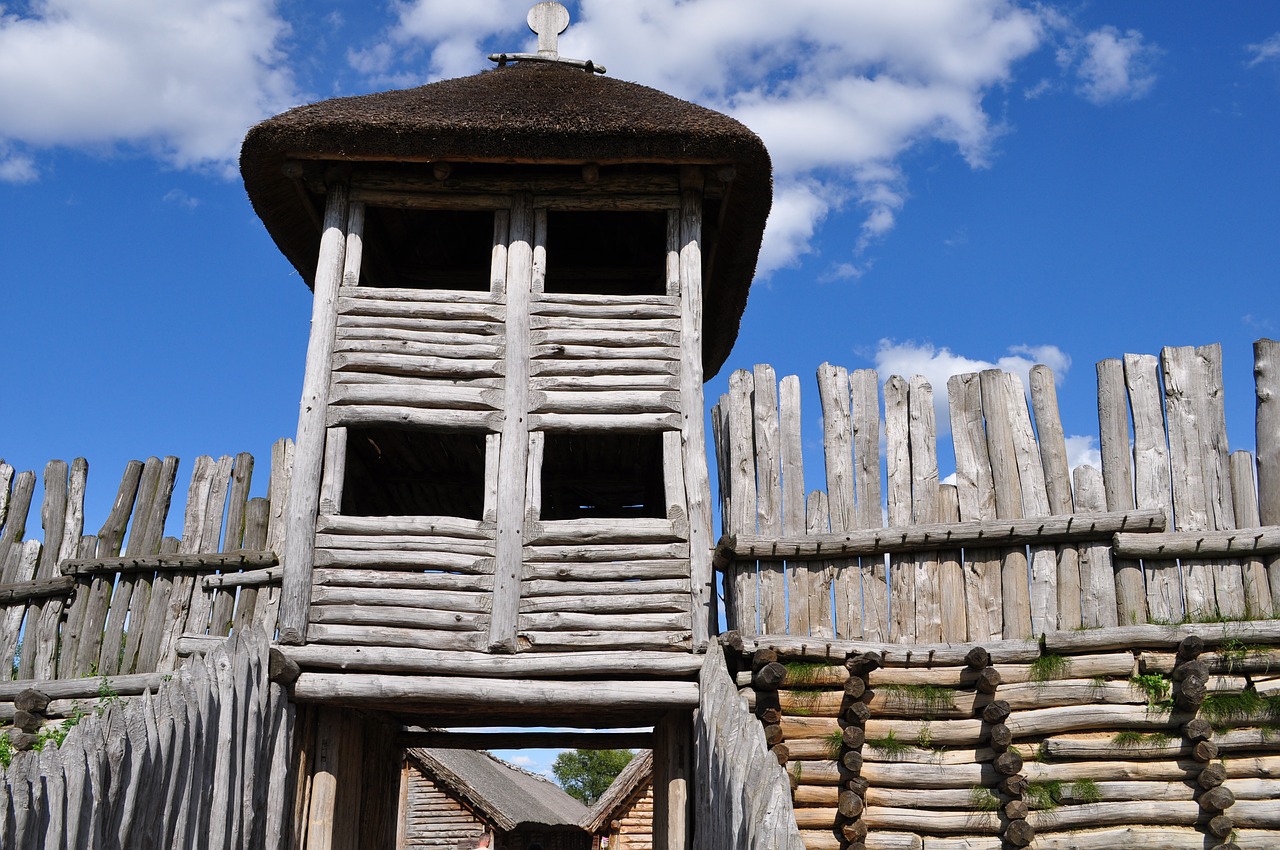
(1173, 530)
(125, 606)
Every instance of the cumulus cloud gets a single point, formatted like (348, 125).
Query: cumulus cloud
(936, 365)
(182, 79)
(1083, 451)
(838, 90)
(1264, 51)
(16, 167)
(1111, 65)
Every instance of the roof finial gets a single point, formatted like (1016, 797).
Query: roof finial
(548, 20)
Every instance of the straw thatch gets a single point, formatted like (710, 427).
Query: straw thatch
(524, 114)
(625, 787)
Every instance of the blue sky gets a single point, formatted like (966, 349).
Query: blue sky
(959, 183)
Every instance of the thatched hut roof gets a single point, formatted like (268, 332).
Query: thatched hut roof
(503, 794)
(524, 113)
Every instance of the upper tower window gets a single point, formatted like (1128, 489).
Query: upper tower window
(428, 248)
(620, 252)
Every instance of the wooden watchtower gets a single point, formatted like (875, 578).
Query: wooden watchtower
(522, 279)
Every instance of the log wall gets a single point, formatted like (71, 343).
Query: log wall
(1170, 529)
(200, 760)
(1146, 737)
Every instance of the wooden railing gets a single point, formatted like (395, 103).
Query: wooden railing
(78, 605)
(1171, 530)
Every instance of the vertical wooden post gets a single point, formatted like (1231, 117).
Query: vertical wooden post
(514, 448)
(308, 459)
(693, 429)
(672, 765)
(1266, 374)
(324, 780)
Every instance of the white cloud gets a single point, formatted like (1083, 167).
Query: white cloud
(182, 79)
(936, 365)
(1082, 450)
(179, 198)
(1265, 51)
(16, 167)
(1115, 66)
(838, 90)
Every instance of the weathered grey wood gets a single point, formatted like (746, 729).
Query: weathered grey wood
(1162, 636)
(1057, 478)
(791, 457)
(742, 484)
(1151, 476)
(1266, 372)
(609, 570)
(865, 408)
(951, 578)
(390, 615)
(902, 573)
(1236, 542)
(975, 490)
(36, 589)
(6, 482)
(1100, 606)
(375, 689)
(16, 522)
(821, 574)
(397, 659)
(837, 445)
(768, 474)
(925, 507)
(250, 581)
(1257, 590)
(603, 421)
(1015, 532)
(1043, 559)
(1117, 478)
(514, 446)
(41, 638)
(236, 558)
(1227, 574)
(358, 388)
(407, 525)
(335, 469)
(399, 560)
(24, 559)
(308, 458)
(388, 579)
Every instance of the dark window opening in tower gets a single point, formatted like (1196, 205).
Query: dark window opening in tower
(607, 253)
(428, 249)
(414, 472)
(602, 475)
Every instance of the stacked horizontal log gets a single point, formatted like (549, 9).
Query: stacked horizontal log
(1169, 741)
(1213, 552)
(115, 603)
(192, 763)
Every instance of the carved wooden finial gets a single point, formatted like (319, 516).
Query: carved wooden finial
(548, 20)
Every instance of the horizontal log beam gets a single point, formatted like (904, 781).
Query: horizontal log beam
(460, 691)
(1059, 528)
(195, 561)
(1233, 543)
(529, 740)
(131, 684)
(1161, 636)
(248, 578)
(38, 589)
(893, 654)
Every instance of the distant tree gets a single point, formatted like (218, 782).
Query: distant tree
(587, 774)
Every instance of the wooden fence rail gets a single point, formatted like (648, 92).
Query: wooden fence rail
(201, 762)
(1171, 528)
(121, 601)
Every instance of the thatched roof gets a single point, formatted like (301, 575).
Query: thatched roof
(503, 794)
(529, 114)
(634, 777)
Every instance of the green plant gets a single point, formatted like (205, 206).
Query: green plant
(924, 737)
(983, 799)
(6, 751)
(57, 733)
(927, 699)
(1154, 685)
(889, 745)
(1085, 791)
(801, 673)
(1131, 738)
(1049, 666)
(834, 741)
(107, 697)
(1222, 709)
(1044, 795)
(804, 700)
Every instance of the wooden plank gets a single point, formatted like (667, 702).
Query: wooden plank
(1258, 600)
(1057, 478)
(1184, 401)
(791, 457)
(1082, 526)
(527, 740)
(821, 574)
(36, 589)
(837, 446)
(742, 482)
(183, 562)
(157, 616)
(257, 512)
(951, 580)
(925, 506)
(768, 474)
(401, 659)
(1118, 481)
(377, 689)
(902, 573)
(41, 638)
(1266, 371)
(998, 408)
(1228, 574)
(1099, 605)
(865, 408)
(24, 559)
(15, 525)
(514, 446)
(975, 491)
(1151, 477)
(308, 458)
(335, 470)
(677, 500)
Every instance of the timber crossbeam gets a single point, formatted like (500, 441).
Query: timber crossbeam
(37, 589)
(195, 561)
(1229, 543)
(1061, 528)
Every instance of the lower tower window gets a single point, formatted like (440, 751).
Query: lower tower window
(602, 475)
(414, 472)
